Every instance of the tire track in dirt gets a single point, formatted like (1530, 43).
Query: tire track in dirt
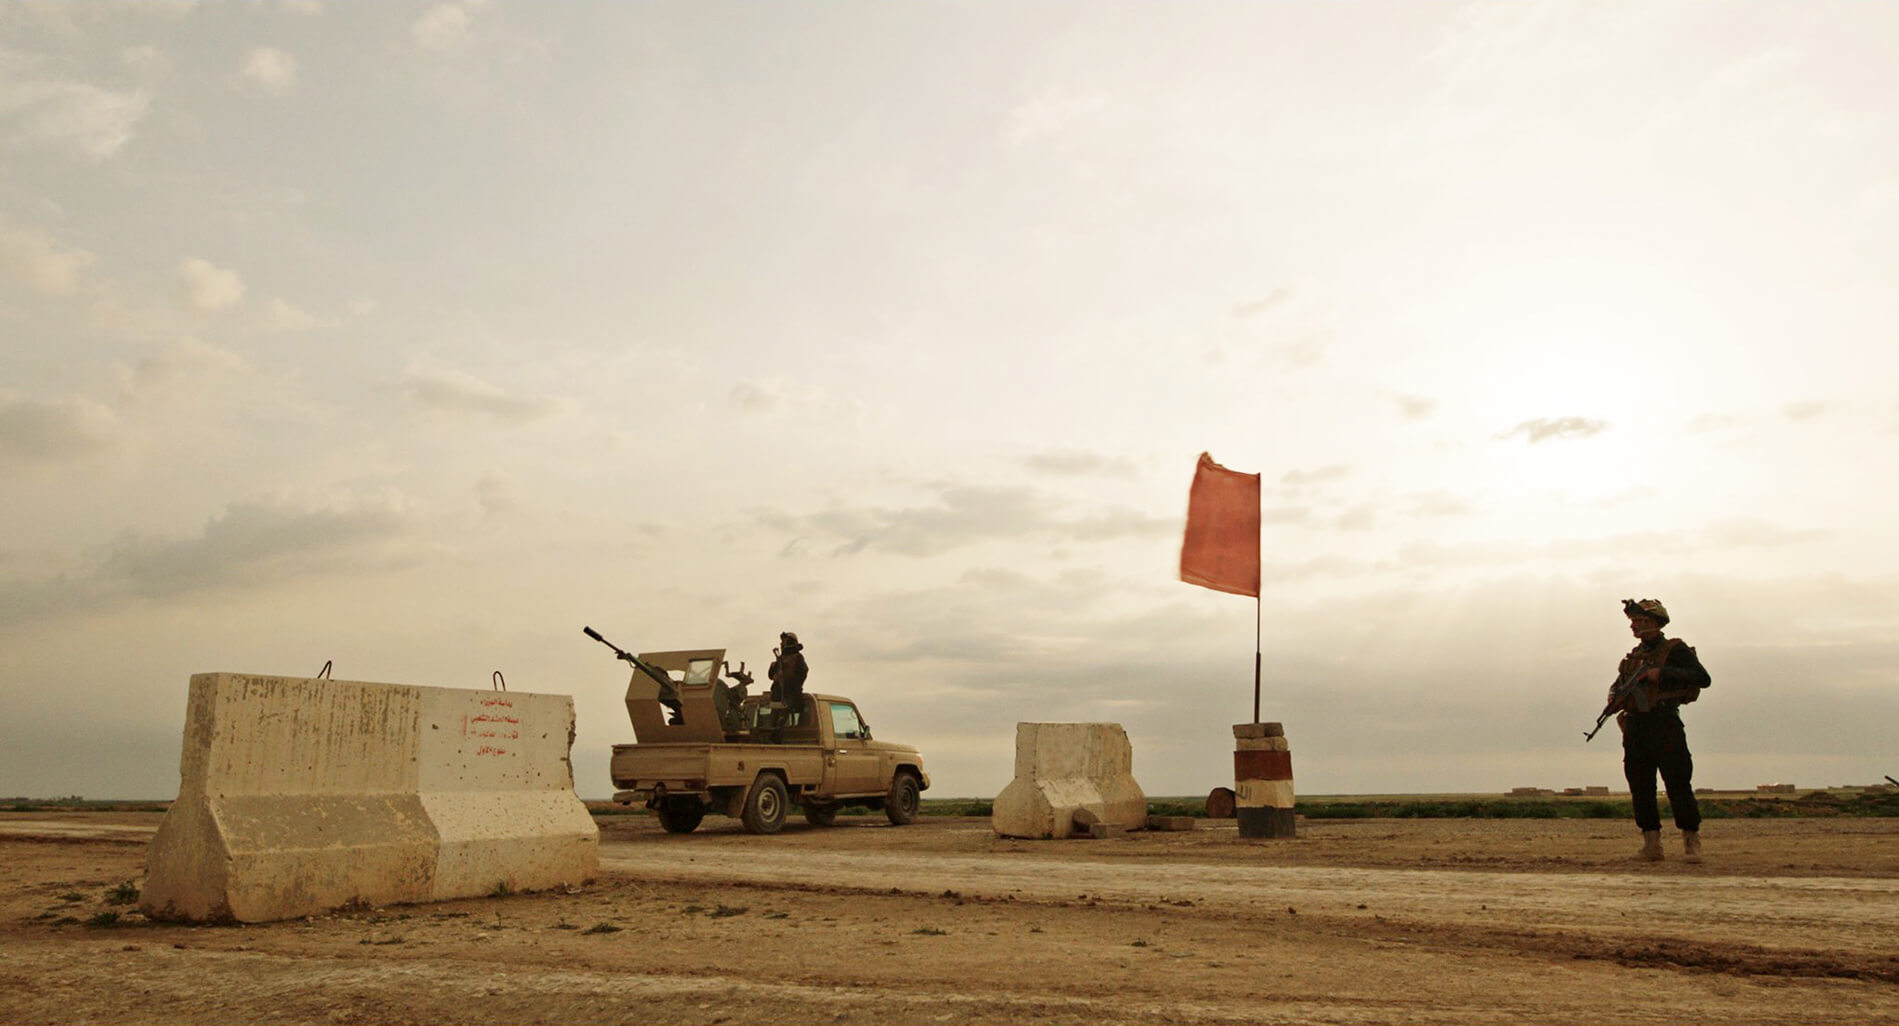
(1794, 913)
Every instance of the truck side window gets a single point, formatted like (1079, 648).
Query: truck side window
(844, 721)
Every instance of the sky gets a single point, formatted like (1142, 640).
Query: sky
(414, 337)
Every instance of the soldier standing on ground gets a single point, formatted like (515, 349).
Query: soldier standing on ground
(1652, 741)
(787, 673)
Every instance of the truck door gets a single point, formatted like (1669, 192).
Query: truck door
(854, 764)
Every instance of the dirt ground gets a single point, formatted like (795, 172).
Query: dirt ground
(1354, 921)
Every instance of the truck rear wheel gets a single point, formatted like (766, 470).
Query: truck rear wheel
(681, 815)
(765, 803)
(906, 794)
(820, 815)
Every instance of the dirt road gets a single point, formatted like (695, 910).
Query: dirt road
(1380, 920)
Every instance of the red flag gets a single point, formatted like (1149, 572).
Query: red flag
(1221, 550)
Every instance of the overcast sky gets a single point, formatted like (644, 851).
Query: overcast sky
(415, 337)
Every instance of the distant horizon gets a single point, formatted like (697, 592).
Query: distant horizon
(928, 797)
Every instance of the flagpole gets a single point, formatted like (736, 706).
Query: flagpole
(1259, 587)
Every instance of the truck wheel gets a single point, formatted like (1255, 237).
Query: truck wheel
(820, 815)
(681, 815)
(764, 805)
(900, 805)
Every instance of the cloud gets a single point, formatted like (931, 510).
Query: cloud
(209, 287)
(280, 316)
(144, 58)
(1358, 518)
(183, 361)
(496, 494)
(45, 431)
(1702, 423)
(271, 68)
(1437, 504)
(1806, 409)
(1416, 407)
(456, 392)
(441, 28)
(773, 396)
(1545, 428)
(1079, 462)
(963, 515)
(1755, 533)
(1054, 116)
(248, 543)
(1319, 476)
(41, 262)
(1284, 515)
(59, 114)
(752, 398)
(1258, 307)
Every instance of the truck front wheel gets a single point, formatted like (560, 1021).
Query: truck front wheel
(900, 805)
(681, 815)
(764, 805)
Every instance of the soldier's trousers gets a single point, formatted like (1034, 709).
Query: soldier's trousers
(1654, 742)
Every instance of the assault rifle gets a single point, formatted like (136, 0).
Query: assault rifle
(1628, 691)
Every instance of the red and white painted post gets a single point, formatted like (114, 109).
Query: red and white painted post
(1262, 781)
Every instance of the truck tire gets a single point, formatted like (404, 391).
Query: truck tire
(681, 815)
(765, 803)
(906, 793)
(820, 815)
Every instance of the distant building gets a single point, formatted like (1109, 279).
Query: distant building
(1528, 792)
(1774, 788)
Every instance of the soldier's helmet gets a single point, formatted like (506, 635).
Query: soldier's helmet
(789, 639)
(1650, 608)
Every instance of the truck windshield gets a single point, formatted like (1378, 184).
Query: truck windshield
(844, 722)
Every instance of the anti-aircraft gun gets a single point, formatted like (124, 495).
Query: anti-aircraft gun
(699, 706)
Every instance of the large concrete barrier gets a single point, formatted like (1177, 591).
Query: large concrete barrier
(1064, 768)
(300, 795)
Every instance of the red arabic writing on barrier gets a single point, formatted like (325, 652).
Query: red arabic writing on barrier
(490, 750)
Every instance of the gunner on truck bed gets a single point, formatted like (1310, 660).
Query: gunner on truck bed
(788, 672)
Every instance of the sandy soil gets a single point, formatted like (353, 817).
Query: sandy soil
(1372, 920)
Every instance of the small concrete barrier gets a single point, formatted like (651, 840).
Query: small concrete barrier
(1064, 768)
(300, 795)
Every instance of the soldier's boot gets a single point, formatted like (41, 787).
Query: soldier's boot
(1651, 846)
(1691, 845)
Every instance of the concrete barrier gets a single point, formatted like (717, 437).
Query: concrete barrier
(1063, 768)
(300, 795)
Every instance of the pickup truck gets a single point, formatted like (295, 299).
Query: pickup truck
(705, 746)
